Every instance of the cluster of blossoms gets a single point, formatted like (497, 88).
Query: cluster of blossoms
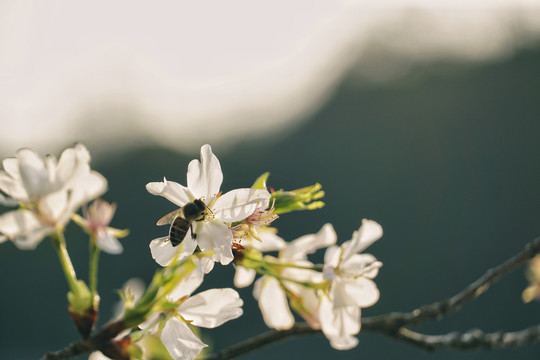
(236, 226)
(209, 226)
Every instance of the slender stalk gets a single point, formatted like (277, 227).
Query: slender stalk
(94, 264)
(59, 243)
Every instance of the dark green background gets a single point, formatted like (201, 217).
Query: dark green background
(445, 158)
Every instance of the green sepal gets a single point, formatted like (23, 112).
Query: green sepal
(300, 199)
(260, 183)
(80, 299)
(135, 352)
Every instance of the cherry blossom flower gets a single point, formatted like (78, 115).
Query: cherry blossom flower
(352, 287)
(48, 192)
(96, 220)
(213, 233)
(208, 309)
(272, 292)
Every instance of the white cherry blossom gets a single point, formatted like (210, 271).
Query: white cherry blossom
(208, 309)
(48, 191)
(97, 217)
(213, 234)
(352, 287)
(270, 293)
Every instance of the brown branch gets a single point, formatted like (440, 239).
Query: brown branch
(391, 324)
(470, 340)
(441, 308)
(102, 340)
(260, 341)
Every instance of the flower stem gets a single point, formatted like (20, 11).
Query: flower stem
(59, 243)
(94, 257)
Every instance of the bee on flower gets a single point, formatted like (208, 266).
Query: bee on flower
(211, 231)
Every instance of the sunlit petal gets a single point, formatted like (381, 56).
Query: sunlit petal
(108, 243)
(12, 187)
(212, 307)
(23, 228)
(34, 174)
(339, 324)
(243, 276)
(73, 162)
(11, 167)
(204, 178)
(361, 264)
(369, 232)
(172, 191)
(360, 292)
(163, 251)
(238, 204)
(87, 188)
(180, 341)
(273, 303)
(213, 235)
(207, 264)
(188, 284)
(268, 242)
(307, 244)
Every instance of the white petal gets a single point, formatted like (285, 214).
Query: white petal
(269, 242)
(238, 204)
(8, 201)
(34, 174)
(108, 243)
(163, 251)
(207, 264)
(344, 342)
(365, 265)
(213, 235)
(3, 238)
(73, 162)
(308, 244)
(172, 191)
(86, 188)
(360, 292)
(204, 178)
(339, 324)
(243, 276)
(11, 167)
(15, 222)
(12, 187)
(97, 355)
(369, 232)
(331, 261)
(273, 303)
(302, 274)
(188, 284)
(55, 208)
(23, 228)
(211, 308)
(180, 341)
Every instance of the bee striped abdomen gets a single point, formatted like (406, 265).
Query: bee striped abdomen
(178, 230)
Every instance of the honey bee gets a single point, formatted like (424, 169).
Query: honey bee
(181, 220)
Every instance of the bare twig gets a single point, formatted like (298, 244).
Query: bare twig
(102, 340)
(441, 308)
(470, 340)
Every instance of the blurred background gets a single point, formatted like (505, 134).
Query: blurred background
(421, 115)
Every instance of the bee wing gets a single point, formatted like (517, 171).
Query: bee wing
(169, 218)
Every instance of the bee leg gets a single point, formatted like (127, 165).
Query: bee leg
(193, 235)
